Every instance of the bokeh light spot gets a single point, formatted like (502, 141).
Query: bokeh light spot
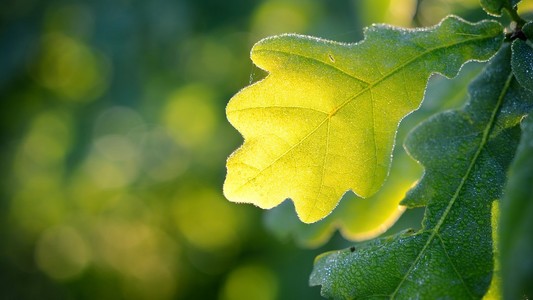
(276, 17)
(108, 174)
(431, 12)
(114, 161)
(62, 252)
(163, 158)
(71, 69)
(143, 254)
(394, 12)
(43, 150)
(34, 209)
(401, 12)
(37, 200)
(525, 7)
(119, 120)
(207, 220)
(209, 59)
(190, 115)
(251, 281)
(116, 147)
(50, 137)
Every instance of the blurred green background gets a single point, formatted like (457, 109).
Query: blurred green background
(114, 140)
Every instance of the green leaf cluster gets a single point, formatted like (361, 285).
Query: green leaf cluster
(324, 121)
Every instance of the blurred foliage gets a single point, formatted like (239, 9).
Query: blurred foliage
(113, 144)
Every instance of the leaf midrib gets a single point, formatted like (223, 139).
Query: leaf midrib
(381, 79)
(435, 230)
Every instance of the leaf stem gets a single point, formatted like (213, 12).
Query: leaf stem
(514, 15)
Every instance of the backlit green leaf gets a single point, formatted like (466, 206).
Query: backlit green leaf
(466, 154)
(323, 121)
(516, 235)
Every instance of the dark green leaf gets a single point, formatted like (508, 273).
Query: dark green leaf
(494, 7)
(516, 235)
(466, 154)
(522, 60)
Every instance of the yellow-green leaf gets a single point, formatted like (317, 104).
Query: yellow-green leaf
(323, 121)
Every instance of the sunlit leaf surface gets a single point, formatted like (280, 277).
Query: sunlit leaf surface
(357, 218)
(324, 120)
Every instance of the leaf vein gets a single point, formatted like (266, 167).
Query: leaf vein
(373, 127)
(323, 167)
(315, 60)
(283, 154)
(454, 267)
(400, 67)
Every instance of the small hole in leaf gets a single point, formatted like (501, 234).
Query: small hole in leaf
(331, 58)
